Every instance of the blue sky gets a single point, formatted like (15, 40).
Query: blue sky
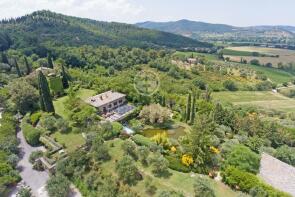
(233, 12)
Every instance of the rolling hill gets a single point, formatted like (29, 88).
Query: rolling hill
(220, 32)
(49, 28)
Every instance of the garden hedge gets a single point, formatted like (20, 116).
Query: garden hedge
(175, 164)
(245, 181)
(143, 141)
(31, 134)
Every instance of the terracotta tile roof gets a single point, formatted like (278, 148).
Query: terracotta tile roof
(104, 98)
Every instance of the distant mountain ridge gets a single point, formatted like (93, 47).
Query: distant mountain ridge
(222, 32)
(49, 28)
(185, 26)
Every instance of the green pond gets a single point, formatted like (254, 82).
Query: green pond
(171, 133)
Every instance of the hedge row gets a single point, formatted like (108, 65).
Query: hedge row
(142, 141)
(175, 164)
(31, 134)
(245, 181)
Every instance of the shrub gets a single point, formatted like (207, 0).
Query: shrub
(31, 134)
(264, 86)
(143, 153)
(48, 122)
(129, 148)
(150, 188)
(175, 164)
(170, 194)
(159, 164)
(286, 154)
(200, 84)
(230, 85)
(187, 160)
(62, 125)
(35, 155)
(117, 127)
(35, 117)
(243, 158)
(24, 192)
(142, 141)
(255, 62)
(203, 188)
(246, 181)
(127, 170)
(58, 186)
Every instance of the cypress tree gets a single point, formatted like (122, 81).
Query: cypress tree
(45, 97)
(193, 110)
(17, 68)
(49, 60)
(65, 81)
(188, 107)
(163, 101)
(4, 58)
(28, 67)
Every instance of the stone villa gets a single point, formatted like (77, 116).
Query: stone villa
(112, 105)
(107, 101)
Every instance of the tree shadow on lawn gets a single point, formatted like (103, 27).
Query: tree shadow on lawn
(166, 174)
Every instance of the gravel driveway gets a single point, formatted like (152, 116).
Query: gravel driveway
(35, 179)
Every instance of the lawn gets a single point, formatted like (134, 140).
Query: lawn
(59, 105)
(177, 179)
(265, 100)
(71, 140)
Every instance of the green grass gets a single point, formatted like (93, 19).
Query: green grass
(265, 100)
(59, 105)
(275, 75)
(71, 140)
(245, 96)
(177, 181)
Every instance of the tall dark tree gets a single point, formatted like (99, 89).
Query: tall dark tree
(4, 58)
(28, 67)
(46, 103)
(188, 107)
(49, 60)
(17, 68)
(65, 76)
(193, 109)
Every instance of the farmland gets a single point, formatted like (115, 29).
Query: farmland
(267, 55)
(264, 100)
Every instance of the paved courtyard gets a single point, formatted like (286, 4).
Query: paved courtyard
(277, 173)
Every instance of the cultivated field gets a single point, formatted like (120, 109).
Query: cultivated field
(285, 56)
(265, 100)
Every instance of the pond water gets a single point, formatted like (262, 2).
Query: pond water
(172, 133)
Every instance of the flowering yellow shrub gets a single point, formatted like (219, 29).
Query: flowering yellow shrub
(173, 149)
(161, 139)
(214, 150)
(187, 160)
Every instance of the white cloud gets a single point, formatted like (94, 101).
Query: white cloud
(109, 10)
